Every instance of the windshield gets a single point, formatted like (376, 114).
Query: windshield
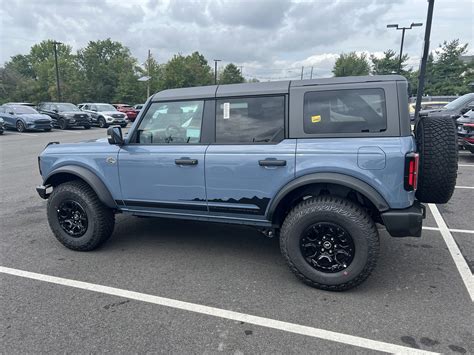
(66, 107)
(105, 107)
(459, 102)
(21, 110)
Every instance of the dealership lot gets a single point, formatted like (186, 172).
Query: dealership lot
(418, 298)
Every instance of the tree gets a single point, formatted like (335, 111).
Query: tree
(185, 71)
(351, 64)
(446, 73)
(230, 75)
(388, 64)
(106, 64)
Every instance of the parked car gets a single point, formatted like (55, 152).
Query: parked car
(462, 129)
(426, 105)
(138, 107)
(24, 118)
(65, 115)
(1, 125)
(468, 139)
(128, 110)
(454, 109)
(104, 115)
(315, 162)
(22, 103)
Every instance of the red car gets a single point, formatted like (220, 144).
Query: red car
(128, 110)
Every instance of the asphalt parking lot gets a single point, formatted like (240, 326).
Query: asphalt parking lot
(187, 276)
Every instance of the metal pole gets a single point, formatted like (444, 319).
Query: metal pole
(302, 69)
(401, 51)
(424, 59)
(148, 81)
(311, 76)
(57, 69)
(215, 70)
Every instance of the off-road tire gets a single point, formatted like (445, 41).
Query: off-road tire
(345, 214)
(101, 220)
(437, 144)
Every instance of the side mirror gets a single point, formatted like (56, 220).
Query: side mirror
(11, 113)
(55, 110)
(94, 109)
(114, 135)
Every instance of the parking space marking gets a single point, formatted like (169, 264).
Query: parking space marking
(23, 134)
(451, 230)
(453, 248)
(464, 187)
(466, 165)
(221, 313)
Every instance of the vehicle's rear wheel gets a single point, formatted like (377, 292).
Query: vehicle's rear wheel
(62, 123)
(436, 139)
(77, 217)
(47, 129)
(330, 243)
(20, 126)
(102, 123)
(87, 127)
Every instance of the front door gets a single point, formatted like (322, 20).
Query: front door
(162, 168)
(251, 159)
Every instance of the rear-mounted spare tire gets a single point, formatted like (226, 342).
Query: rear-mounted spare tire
(436, 139)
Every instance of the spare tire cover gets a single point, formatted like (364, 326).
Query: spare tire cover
(436, 140)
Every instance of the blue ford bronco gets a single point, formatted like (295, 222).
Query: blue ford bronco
(317, 163)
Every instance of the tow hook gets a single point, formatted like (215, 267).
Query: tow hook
(269, 233)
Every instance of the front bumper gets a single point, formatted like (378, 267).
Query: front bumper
(406, 222)
(468, 146)
(34, 125)
(44, 191)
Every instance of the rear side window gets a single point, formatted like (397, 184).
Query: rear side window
(345, 111)
(250, 119)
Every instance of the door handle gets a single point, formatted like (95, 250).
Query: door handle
(272, 162)
(186, 161)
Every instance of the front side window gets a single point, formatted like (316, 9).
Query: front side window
(171, 122)
(250, 120)
(345, 111)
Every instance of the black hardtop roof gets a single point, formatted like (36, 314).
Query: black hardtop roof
(262, 88)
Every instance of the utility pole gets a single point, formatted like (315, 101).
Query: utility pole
(57, 69)
(148, 73)
(403, 39)
(311, 76)
(302, 70)
(424, 59)
(215, 70)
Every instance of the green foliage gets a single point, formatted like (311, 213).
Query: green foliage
(186, 71)
(447, 74)
(351, 64)
(388, 64)
(230, 75)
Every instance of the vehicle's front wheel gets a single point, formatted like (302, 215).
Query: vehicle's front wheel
(87, 127)
(77, 217)
(62, 123)
(102, 123)
(330, 243)
(20, 126)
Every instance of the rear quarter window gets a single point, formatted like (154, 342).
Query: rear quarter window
(345, 111)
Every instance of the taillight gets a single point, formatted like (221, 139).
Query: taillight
(411, 171)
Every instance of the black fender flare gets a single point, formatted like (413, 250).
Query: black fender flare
(330, 178)
(90, 178)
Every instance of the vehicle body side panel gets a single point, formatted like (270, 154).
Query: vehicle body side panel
(344, 156)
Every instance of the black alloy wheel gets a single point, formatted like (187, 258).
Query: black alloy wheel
(72, 218)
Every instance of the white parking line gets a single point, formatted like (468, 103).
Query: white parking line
(466, 165)
(451, 230)
(76, 132)
(221, 313)
(458, 258)
(23, 134)
(464, 187)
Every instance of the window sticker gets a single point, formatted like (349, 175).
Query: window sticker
(316, 118)
(226, 110)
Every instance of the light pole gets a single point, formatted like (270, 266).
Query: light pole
(215, 70)
(57, 69)
(414, 24)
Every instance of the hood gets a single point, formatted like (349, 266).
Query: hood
(29, 117)
(73, 113)
(100, 140)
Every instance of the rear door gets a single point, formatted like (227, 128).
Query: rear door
(250, 160)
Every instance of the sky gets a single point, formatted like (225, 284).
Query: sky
(269, 39)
